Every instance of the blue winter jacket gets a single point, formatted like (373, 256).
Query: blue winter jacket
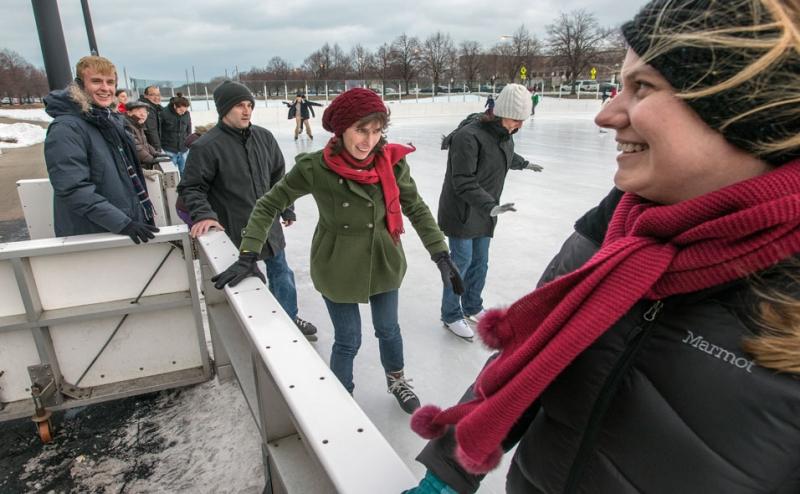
(92, 190)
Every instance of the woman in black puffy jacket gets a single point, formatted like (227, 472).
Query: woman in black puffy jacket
(661, 351)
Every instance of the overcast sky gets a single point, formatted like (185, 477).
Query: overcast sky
(161, 39)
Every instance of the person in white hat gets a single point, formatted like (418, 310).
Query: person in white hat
(481, 151)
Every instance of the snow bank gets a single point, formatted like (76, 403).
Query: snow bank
(33, 115)
(24, 134)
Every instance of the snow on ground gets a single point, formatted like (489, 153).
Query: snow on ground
(210, 442)
(24, 134)
(34, 115)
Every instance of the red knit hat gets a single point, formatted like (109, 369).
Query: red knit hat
(350, 107)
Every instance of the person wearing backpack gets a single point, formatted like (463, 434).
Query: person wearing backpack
(480, 153)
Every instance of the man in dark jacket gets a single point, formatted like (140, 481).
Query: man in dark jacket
(152, 127)
(480, 154)
(229, 168)
(97, 181)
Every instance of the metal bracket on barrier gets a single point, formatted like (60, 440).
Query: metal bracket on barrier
(75, 392)
(42, 377)
(2, 405)
(171, 179)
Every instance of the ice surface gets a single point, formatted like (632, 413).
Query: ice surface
(216, 445)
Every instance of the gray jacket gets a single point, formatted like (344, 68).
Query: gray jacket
(226, 172)
(479, 157)
(92, 190)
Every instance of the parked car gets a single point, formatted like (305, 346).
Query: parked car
(581, 85)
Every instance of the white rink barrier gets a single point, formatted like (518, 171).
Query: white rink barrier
(91, 318)
(315, 437)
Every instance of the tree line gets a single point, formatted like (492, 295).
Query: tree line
(575, 41)
(19, 80)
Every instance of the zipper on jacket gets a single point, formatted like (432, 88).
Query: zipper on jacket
(636, 341)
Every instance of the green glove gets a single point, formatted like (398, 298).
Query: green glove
(431, 484)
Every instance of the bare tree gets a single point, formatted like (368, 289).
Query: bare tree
(470, 60)
(19, 79)
(384, 63)
(363, 62)
(524, 46)
(437, 56)
(278, 69)
(575, 38)
(407, 51)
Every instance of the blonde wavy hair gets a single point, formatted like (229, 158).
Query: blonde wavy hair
(768, 49)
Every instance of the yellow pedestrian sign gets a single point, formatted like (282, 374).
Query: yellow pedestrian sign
(593, 73)
(523, 73)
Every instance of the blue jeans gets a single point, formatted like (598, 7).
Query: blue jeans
(280, 280)
(179, 159)
(347, 335)
(471, 256)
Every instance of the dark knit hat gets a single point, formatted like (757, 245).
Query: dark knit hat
(690, 67)
(229, 94)
(350, 107)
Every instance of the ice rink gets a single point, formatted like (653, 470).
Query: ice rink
(210, 442)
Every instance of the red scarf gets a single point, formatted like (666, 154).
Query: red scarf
(364, 173)
(651, 252)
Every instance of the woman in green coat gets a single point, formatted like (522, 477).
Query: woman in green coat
(362, 187)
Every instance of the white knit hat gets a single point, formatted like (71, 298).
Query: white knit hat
(513, 102)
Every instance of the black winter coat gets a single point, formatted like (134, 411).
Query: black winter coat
(92, 190)
(174, 130)
(665, 402)
(226, 172)
(479, 157)
(152, 126)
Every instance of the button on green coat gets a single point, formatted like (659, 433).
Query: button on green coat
(352, 254)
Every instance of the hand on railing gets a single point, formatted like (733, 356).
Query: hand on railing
(245, 267)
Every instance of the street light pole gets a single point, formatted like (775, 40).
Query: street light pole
(87, 19)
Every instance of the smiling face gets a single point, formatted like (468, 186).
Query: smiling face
(100, 87)
(667, 153)
(359, 141)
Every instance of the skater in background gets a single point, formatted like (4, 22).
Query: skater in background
(661, 351)
(535, 99)
(480, 153)
(489, 105)
(301, 109)
(362, 186)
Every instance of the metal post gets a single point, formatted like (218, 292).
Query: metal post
(400, 92)
(286, 90)
(449, 90)
(51, 39)
(87, 19)
(189, 91)
(194, 80)
(208, 104)
(465, 93)
(417, 90)
(265, 95)
(305, 84)
(125, 75)
(326, 92)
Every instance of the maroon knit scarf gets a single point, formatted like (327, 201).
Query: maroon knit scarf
(650, 252)
(359, 171)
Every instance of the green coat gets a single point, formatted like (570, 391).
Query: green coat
(352, 254)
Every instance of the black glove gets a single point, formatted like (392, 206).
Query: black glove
(139, 231)
(450, 275)
(246, 266)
